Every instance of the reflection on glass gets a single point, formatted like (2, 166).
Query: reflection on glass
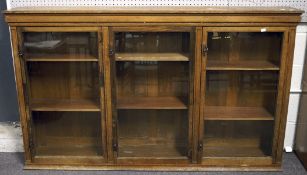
(67, 133)
(60, 45)
(245, 50)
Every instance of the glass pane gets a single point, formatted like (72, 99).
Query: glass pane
(161, 46)
(237, 138)
(59, 46)
(152, 89)
(64, 92)
(241, 93)
(62, 69)
(64, 85)
(152, 133)
(67, 133)
(239, 113)
(242, 89)
(244, 50)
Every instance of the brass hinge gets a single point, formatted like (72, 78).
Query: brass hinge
(20, 54)
(111, 52)
(114, 123)
(200, 147)
(24, 81)
(115, 146)
(205, 49)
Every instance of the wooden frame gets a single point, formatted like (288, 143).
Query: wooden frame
(68, 160)
(198, 22)
(162, 160)
(282, 93)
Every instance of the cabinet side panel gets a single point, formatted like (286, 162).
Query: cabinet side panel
(280, 132)
(282, 77)
(108, 93)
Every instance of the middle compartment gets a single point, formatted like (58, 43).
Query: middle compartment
(152, 93)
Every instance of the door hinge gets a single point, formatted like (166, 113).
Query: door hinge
(205, 49)
(111, 52)
(20, 54)
(200, 147)
(115, 146)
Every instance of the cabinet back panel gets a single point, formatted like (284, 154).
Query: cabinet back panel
(64, 80)
(155, 129)
(152, 79)
(67, 133)
(238, 138)
(242, 89)
(244, 46)
(152, 42)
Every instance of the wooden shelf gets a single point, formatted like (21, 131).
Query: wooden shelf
(150, 103)
(60, 57)
(236, 113)
(151, 151)
(68, 146)
(151, 57)
(64, 105)
(66, 150)
(231, 147)
(151, 147)
(241, 65)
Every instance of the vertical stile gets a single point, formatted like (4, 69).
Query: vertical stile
(202, 72)
(108, 91)
(197, 93)
(26, 90)
(101, 76)
(281, 91)
(24, 118)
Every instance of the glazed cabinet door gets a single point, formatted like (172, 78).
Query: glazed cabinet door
(243, 73)
(152, 73)
(62, 70)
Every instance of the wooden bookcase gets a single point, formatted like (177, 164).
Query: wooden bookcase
(195, 88)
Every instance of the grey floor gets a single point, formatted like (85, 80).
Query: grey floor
(12, 164)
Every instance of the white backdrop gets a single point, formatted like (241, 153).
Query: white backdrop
(301, 4)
